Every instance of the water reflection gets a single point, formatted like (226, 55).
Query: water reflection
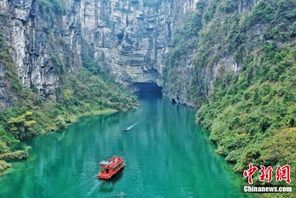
(108, 185)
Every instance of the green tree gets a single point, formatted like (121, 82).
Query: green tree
(22, 126)
(293, 29)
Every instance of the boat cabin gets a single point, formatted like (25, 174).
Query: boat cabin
(110, 167)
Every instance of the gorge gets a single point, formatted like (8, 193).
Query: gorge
(233, 60)
(128, 39)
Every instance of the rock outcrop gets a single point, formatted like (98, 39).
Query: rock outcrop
(30, 46)
(128, 38)
(5, 100)
(190, 76)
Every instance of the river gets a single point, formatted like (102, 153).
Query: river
(166, 154)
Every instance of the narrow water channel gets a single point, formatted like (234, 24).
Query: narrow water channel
(166, 154)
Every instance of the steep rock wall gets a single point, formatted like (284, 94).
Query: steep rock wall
(192, 70)
(129, 38)
(31, 47)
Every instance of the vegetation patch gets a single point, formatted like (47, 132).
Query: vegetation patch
(250, 115)
(85, 91)
(3, 166)
(51, 8)
(14, 156)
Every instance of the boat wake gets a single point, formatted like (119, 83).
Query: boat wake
(91, 180)
(128, 128)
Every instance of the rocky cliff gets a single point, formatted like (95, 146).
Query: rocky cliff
(242, 78)
(233, 59)
(203, 51)
(136, 41)
(128, 38)
(30, 47)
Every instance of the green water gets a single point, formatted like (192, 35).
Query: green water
(166, 155)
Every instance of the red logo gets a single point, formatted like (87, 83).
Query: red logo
(282, 173)
(249, 173)
(265, 173)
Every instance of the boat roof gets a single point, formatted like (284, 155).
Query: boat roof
(105, 163)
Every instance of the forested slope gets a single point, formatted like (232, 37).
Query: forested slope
(70, 89)
(242, 78)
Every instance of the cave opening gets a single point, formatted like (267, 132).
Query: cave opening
(146, 87)
(120, 37)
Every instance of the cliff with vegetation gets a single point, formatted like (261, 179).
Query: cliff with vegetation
(234, 60)
(239, 69)
(48, 74)
(61, 59)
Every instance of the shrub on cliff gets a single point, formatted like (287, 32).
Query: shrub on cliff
(249, 110)
(14, 156)
(3, 166)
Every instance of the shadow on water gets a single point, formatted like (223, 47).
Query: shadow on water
(108, 185)
(149, 95)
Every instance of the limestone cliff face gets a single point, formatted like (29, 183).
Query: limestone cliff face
(191, 80)
(30, 47)
(5, 100)
(129, 38)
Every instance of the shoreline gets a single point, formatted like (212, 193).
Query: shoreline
(6, 165)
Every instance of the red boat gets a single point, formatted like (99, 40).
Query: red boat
(110, 167)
